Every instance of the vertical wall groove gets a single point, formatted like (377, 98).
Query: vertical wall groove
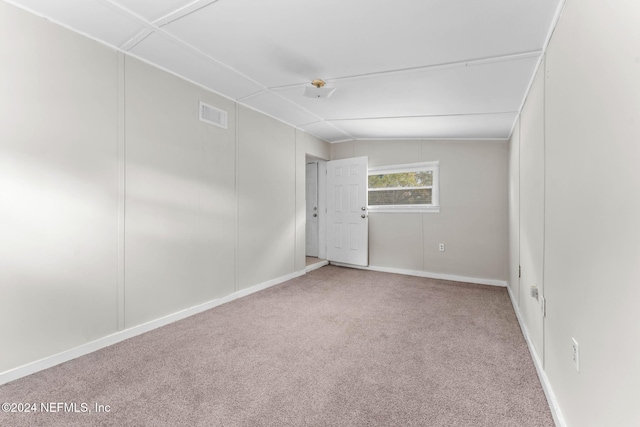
(422, 217)
(544, 198)
(236, 276)
(121, 192)
(519, 205)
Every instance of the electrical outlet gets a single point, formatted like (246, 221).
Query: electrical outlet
(576, 354)
(441, 247)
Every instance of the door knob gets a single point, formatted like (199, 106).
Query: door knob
(315, 215)
(363, 216)
(363, 208)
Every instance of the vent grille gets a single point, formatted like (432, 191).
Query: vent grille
(213, 115)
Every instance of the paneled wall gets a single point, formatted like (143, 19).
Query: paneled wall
(118, 206)
(472, 222)
(58, 188)
(179, 198)
(267, 190)
(591, 237)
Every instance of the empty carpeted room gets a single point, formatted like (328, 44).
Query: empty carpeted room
(338, 213)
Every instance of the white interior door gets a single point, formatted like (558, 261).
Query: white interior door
(347, 215)
(312, 209)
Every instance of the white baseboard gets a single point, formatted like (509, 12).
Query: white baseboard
(316, 266)
(556, 412)
(90, 347)
(418, 273)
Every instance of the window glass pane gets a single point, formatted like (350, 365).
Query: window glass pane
(420, 196)
(404, 179)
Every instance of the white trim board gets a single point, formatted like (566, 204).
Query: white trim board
(554, 406)
(418, 273)
(90, 347)
(316, 266)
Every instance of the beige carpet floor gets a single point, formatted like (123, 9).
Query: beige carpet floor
(336, 347)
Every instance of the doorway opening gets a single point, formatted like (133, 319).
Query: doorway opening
(315, 200)
(337, 217)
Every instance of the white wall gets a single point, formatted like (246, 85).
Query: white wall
(313, 146)
(591, 229)
(267, 208)
(58, 188)
(179, 200)
(118, 206)
(472, 222)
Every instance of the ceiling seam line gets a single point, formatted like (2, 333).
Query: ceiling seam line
(179, 41)
(310, 123)
(153, 29)
(133, 42)
(444, 65)
(500, 139)
(424, 115)
(252, 95)
(205, 56)
(455, 64)
(175, 15)
(310, 113)
(283, 98)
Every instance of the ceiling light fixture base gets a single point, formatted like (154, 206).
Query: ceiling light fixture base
(318, 90)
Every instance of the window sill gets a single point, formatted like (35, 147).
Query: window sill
(404, 209)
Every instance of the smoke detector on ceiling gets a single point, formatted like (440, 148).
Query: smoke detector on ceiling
(318, 90)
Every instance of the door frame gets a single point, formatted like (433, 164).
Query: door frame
(322, 205)
(312, 224)
(322, 209)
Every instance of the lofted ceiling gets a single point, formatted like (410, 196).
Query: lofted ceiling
(402, 69)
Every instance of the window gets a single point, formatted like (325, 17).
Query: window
(404, 188)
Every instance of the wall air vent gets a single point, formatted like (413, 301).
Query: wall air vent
(213, 115)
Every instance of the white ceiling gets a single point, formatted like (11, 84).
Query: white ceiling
(403, 69)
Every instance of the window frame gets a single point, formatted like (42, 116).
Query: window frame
(434, 167)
